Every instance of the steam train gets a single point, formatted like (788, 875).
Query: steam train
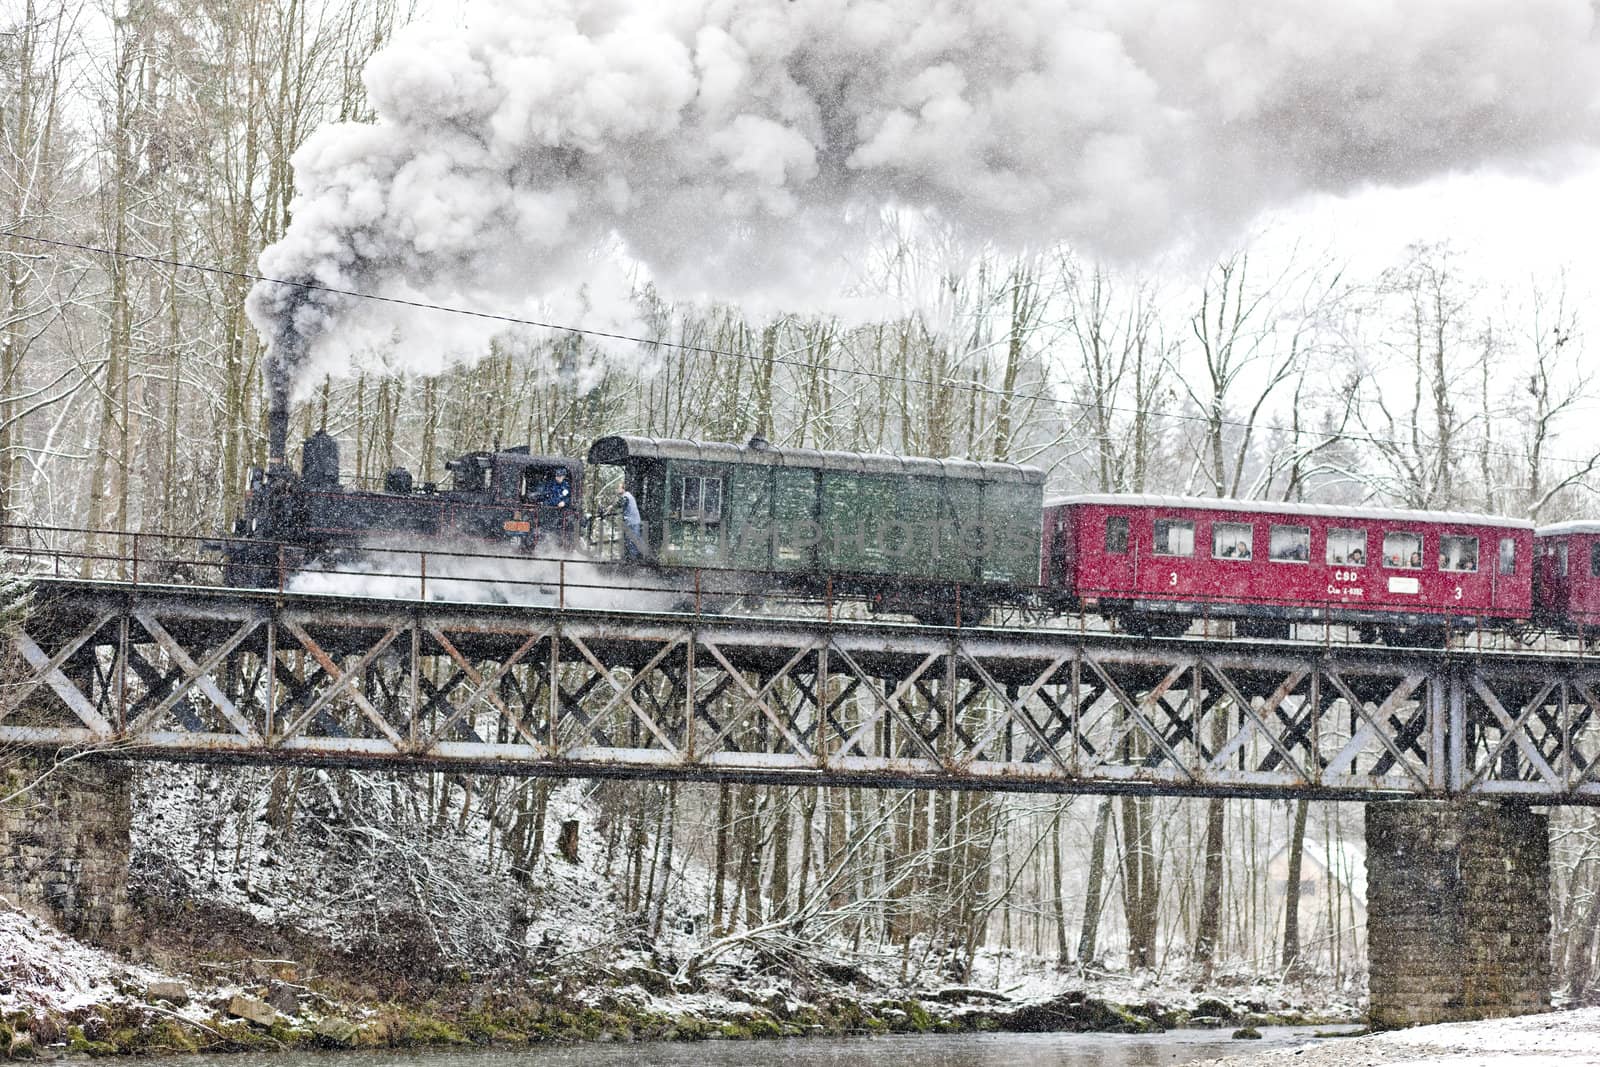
(946, 540)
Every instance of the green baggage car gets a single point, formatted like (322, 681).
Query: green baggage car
(908, 534)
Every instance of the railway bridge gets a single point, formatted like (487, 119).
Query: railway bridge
(1455, 750)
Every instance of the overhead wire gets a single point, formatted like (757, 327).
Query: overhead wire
(706, 350)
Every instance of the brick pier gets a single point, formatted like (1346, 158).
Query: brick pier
(1458, 911)
(64, 844)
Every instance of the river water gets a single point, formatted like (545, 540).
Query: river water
(945, 1050)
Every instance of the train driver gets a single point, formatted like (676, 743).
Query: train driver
(556, 493)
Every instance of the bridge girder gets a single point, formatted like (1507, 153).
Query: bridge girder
(223, 676)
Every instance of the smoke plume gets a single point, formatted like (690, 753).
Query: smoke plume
(746, 149)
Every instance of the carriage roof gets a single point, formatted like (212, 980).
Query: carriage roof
(618, 449)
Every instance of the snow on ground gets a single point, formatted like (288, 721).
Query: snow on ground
(369, 869)
(1568, 1039)
(42, 970)
(1315, 995)
(365, 864)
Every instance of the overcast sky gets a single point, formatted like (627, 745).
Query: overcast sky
(1509, 228)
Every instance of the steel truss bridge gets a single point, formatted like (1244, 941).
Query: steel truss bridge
(219, 675)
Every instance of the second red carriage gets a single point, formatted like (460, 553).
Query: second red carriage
(1566, 577)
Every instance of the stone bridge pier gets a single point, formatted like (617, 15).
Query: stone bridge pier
(64, 843)
(1458, 911)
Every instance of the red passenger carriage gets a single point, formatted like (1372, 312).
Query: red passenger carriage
(1566, 576)
(1156, 563)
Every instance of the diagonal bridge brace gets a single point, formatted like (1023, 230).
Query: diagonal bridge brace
(1256, 722)
(759, 697)
(197, 675)
(1373, 728)
(343, 682)
(624, 693)
(1513, 732)
(886, 705)
(47, 671)
(1137, 708)
(1015, 711)
(484, 689)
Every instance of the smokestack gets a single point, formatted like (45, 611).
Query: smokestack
(282, 358)
(277, 426)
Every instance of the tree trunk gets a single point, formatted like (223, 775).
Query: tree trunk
(719, 878)
(1205, 942)
(1291, 894)
(778, 880)
(1089, 930)
(1057, 901)
(808, 811)
(1141, 893)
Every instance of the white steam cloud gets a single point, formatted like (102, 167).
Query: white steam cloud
(473, 573)
(745, 149)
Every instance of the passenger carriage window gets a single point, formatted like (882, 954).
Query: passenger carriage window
(1561, 559)
(1347, 548)
(1508, 555)
(1290, 544)
(1117, 535)
(1174, 537)
(1403, 550)
(1458, 553)
(701, 499)
(1232, 540)
(1594, 557)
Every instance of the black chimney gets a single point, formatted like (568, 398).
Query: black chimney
(277, 426)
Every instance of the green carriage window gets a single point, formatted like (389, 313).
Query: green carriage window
(700, 499)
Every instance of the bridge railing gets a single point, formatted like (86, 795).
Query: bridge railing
(394, 572)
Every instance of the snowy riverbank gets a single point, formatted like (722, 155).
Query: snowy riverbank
(59, 997)
(1567, 1039)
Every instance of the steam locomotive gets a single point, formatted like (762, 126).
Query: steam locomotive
(947, 540)
(290, 519)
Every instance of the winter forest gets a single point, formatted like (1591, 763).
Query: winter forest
(145, 165)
